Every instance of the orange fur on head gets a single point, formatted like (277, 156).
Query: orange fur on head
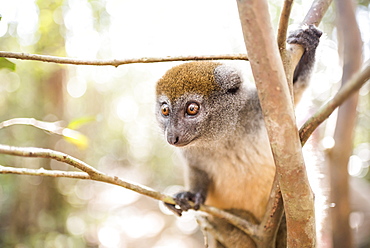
(194, 77)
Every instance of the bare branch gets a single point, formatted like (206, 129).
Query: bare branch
(277, 109)
(95, 175)
(353, 85)
(246, 226)
(47, 153)
(290, 59)
(43, 172)
(117, 62)
(274, 213)
(317, 12)
(291, 56)
(283, 24)
(52, 127)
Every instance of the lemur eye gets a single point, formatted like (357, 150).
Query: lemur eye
(233, 90)
(165, 109)
(192, 109)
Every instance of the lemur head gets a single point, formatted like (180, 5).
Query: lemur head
(199, 102)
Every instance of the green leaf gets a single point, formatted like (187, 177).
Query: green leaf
(4, 63)
(76, 138)
(77, 123)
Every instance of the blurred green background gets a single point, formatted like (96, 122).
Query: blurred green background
(114, 109)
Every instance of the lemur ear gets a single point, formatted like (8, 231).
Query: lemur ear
(227, 78)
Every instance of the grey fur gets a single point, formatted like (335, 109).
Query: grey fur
(225, 145)
(229, 160)
(309, 38)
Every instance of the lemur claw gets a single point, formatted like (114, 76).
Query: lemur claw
(308, 37)
(183, 201)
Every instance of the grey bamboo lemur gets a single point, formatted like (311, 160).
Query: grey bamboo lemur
(216, 121)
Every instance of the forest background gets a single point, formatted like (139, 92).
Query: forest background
(113, 111)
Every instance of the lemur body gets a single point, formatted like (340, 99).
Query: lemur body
(205, 109)
(247, 174)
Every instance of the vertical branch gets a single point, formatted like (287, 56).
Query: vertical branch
(317, 12)
(272, 218)
(291, 56)
(279, 117)
(283, 24)
(339, 155)
(281, 40)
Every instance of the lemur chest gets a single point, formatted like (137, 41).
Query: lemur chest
(241, 177)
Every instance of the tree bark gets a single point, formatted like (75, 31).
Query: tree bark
(279, 116)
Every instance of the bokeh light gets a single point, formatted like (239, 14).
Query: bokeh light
(124, 139)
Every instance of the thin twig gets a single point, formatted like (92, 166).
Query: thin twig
(292, 55)
(48, 153)
(242, 224)
(43, 172)
(92, 172)
(52, 127)
(272, 218)
(353, 85)
(283, 24)
(286, 54)
(117, 62)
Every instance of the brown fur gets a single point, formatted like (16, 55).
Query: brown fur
(230, 164)
(183, 79)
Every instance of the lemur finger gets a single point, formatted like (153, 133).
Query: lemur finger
(173, 209)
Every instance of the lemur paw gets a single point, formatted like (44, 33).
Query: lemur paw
(183, 200)
(308, 37)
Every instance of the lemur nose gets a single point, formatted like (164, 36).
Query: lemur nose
(173, 140)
